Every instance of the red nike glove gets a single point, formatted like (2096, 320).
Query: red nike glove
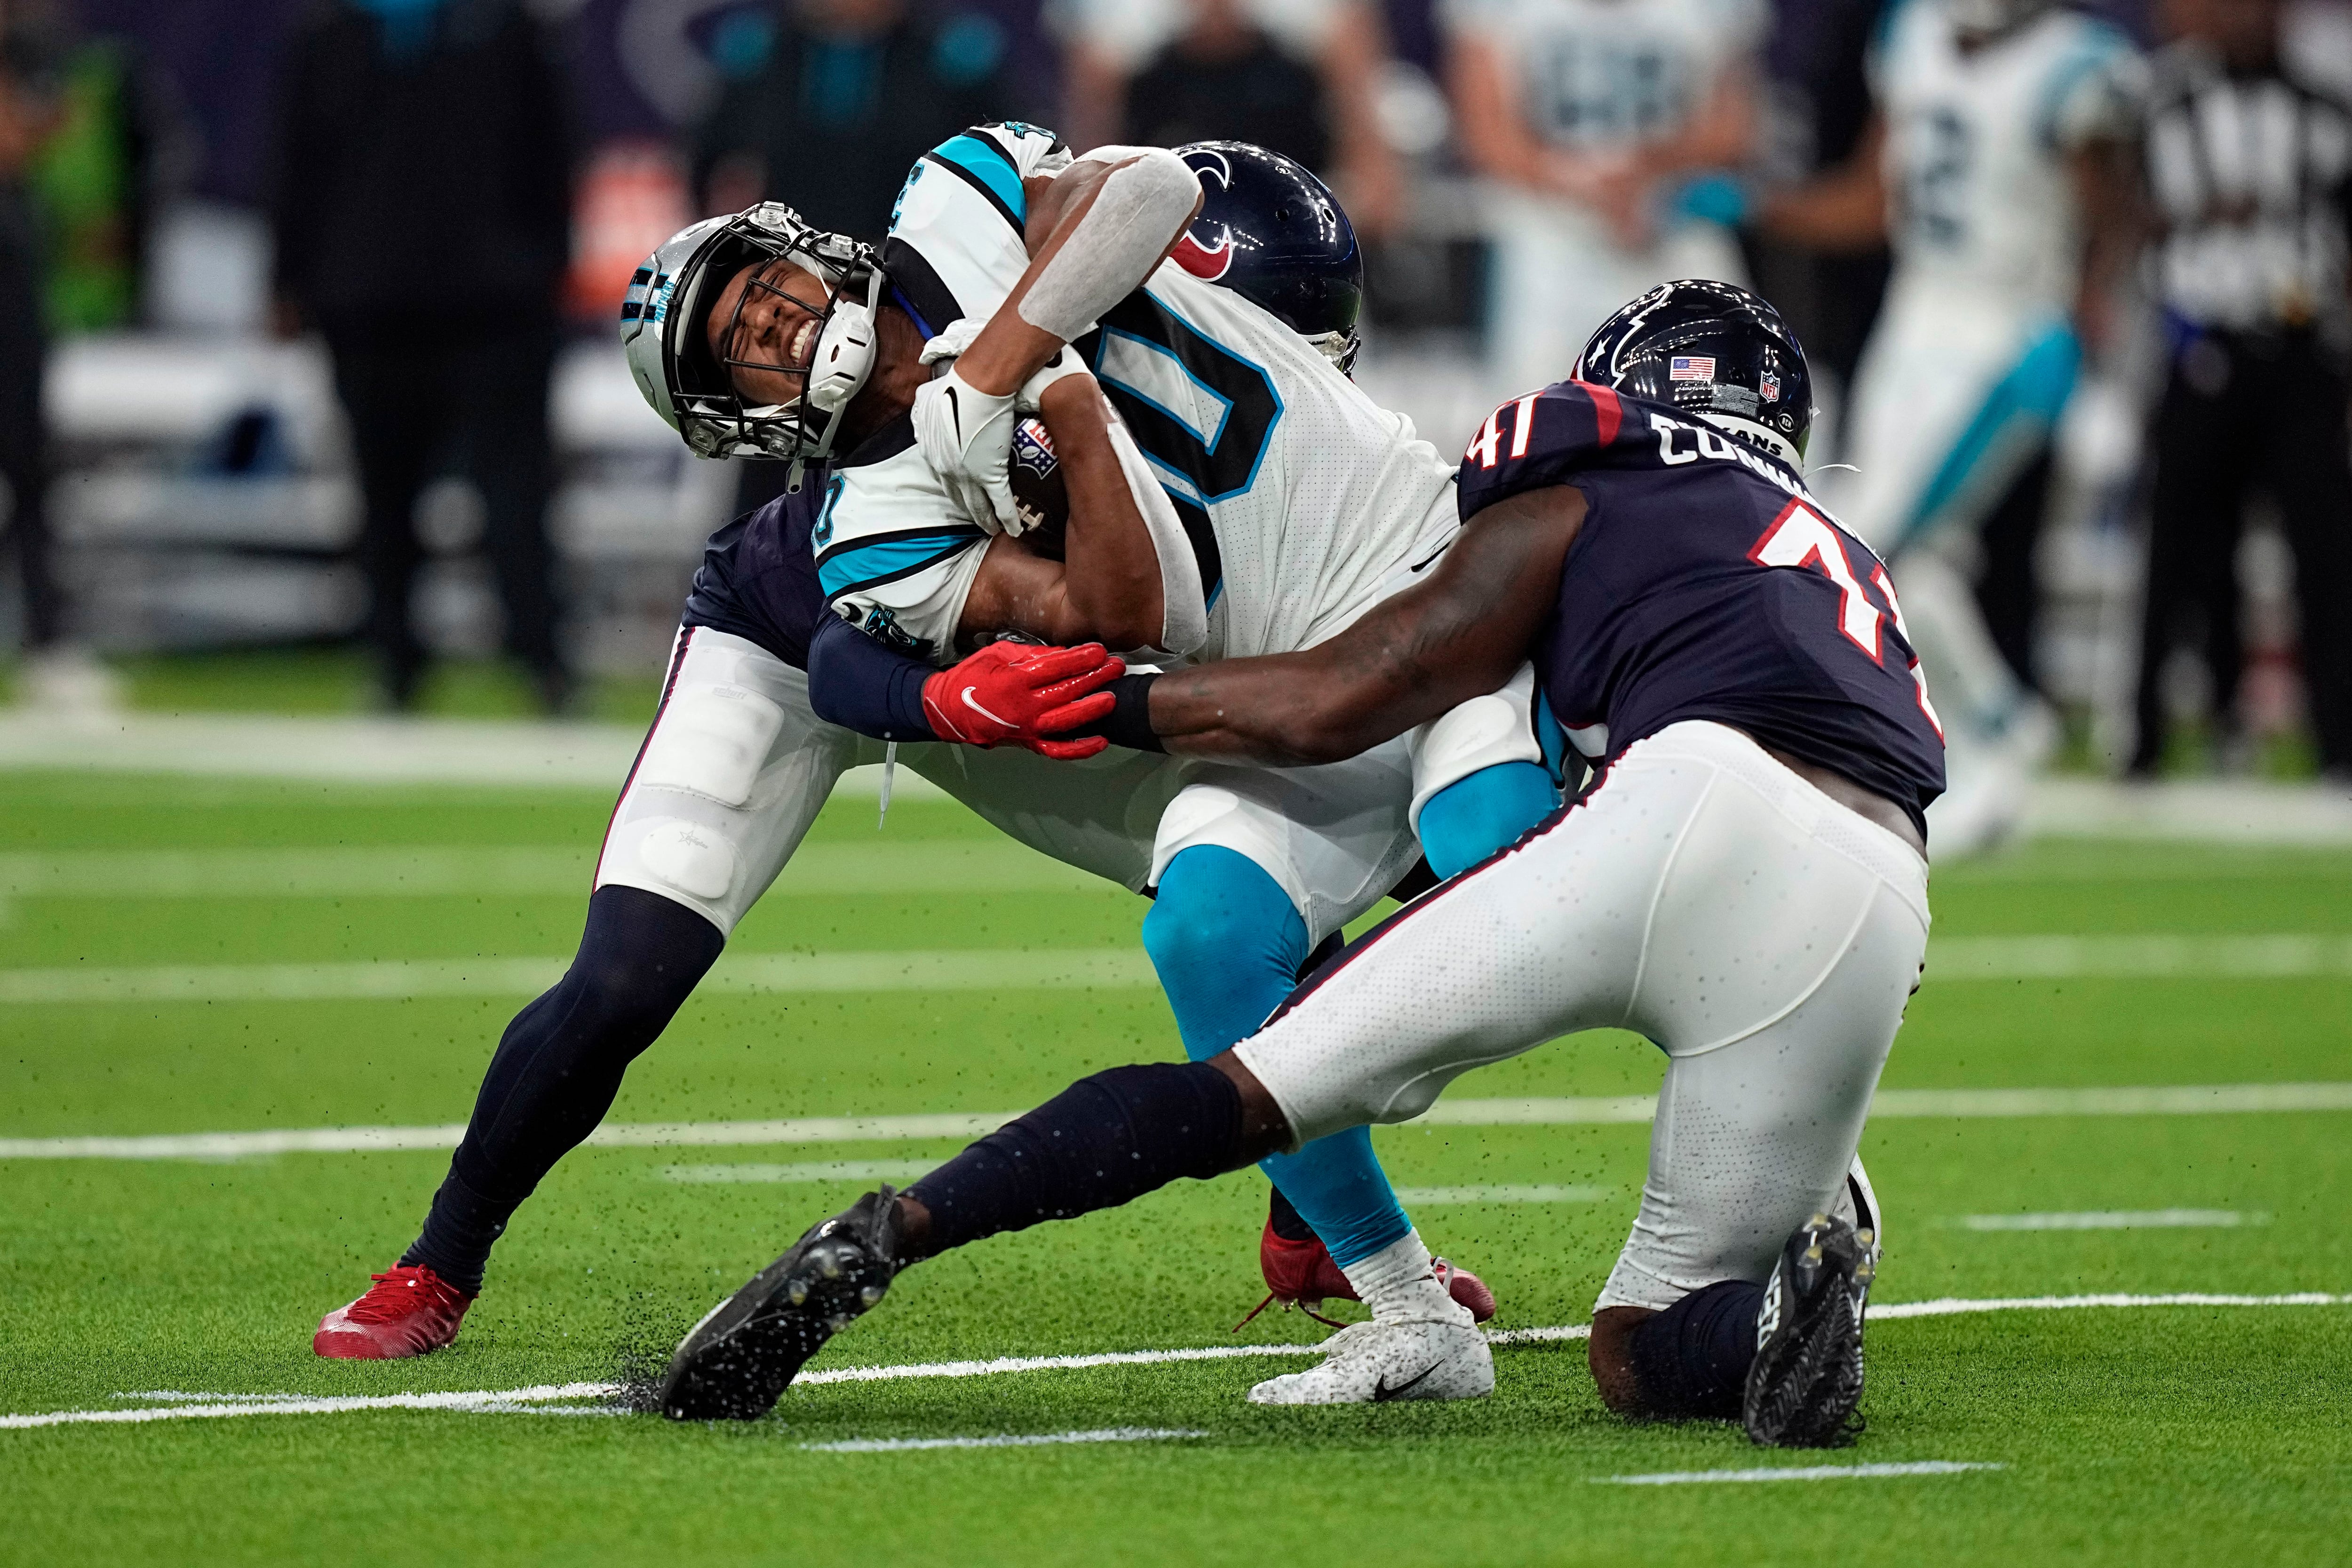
(1022, 694)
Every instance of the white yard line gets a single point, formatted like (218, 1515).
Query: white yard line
(357, 751)
(1427, 1197)
(1951, 960)
(1001, 1364)
(200, 1406)
(2213, 811)
(2115, 1219)
(807, 1171)
(2171, 1099)
(388, 980)
(214, 1406)
(1961, 1306)
(890, 866)
(1004, 1440)
(1800, 1473)
(2284, 956)
(377, 751)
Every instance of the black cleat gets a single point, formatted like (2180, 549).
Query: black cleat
(735, 1364)
(1807, 1377)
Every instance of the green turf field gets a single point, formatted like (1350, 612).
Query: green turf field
(2125, 1434)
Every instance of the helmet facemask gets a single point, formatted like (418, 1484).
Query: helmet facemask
(712, 412)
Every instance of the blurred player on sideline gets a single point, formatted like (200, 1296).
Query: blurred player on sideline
(1596, 123)
(2000, 168)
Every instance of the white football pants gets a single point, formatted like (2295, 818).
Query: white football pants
(737, 765)
(1703, 895)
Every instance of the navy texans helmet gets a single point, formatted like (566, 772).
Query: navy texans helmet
(1714, 351)
(1276, 235)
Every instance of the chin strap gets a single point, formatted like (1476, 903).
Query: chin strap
(822, 447)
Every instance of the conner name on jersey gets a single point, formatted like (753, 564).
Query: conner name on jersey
(1679, 441)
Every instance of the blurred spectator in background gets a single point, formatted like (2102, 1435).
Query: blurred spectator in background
(1999, 164)
(1817, 107)
(1297, 76)
(422, 214)
(31, 109)
(2251, 167)
(827, 105)
(1596, 121)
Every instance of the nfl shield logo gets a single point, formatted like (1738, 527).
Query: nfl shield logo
(1768, 387)
(1690, 367)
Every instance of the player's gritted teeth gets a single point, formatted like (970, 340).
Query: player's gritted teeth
(765, 328)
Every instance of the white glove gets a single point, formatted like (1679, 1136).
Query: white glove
(951, 343)
(966, 435)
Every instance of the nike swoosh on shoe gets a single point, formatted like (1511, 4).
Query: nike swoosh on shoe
(1382, 1393)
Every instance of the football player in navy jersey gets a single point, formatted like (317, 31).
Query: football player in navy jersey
(1745, 883)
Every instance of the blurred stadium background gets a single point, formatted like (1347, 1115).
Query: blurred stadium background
(206, 514)
(238, 1012)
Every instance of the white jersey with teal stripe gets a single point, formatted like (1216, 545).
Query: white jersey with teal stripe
(1976, 145)
(1305, 502)
(894, 554)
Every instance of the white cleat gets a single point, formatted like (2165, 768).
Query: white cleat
(1371, 1363)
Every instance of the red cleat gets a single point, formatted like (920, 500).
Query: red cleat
(406, 1312)
(1301, 1273)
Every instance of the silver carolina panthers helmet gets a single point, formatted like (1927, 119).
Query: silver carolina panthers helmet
(665, 332)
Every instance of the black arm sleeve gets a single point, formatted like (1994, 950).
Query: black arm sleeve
(858, 684)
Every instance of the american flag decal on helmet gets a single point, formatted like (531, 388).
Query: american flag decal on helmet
(1691, 367)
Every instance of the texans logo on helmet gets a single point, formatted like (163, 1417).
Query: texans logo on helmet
(1205, 262)
(1207, 259)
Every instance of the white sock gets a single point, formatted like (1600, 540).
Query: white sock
(1400, 1287)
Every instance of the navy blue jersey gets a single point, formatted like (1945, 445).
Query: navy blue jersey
(758, 577)
(1707, 584)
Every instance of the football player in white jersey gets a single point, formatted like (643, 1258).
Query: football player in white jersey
(1998, 169)
(1596, 123)
(739, 759)
(1273, 503)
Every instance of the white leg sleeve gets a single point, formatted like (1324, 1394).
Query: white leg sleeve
(733, 770)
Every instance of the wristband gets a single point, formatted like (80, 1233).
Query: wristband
(1130, 721)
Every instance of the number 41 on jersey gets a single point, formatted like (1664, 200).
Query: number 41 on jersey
(1802, 537)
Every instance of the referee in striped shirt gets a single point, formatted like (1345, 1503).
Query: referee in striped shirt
(2250, 170)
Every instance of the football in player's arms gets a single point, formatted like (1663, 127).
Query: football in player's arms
(1041, 492)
